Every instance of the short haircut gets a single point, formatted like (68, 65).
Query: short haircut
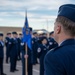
(68, 25)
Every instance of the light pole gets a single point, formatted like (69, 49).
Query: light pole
(47, 24)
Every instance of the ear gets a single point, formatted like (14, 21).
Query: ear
(58, 29)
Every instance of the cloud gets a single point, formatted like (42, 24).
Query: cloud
(12, 12)
(1, 19)
(31, 4)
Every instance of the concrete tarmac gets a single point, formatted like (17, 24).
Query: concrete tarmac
(19, 67)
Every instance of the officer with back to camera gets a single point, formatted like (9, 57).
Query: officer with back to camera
(61, 60)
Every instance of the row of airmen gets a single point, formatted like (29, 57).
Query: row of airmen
(14, 46)
(12, 51)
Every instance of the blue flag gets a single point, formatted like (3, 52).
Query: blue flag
(26, 33)
(26, 25)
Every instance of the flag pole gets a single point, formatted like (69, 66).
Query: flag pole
(26, 61)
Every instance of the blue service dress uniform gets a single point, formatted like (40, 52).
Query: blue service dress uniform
(30, 59)
(19, 51)
(8, 45)
(34, 48)
(1, 57)
(13, 54)
(42, 50)
(61, 60)
(52, 43)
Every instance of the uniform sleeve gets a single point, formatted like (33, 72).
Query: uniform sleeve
(22, 47)
(53, 65)
(6, 42)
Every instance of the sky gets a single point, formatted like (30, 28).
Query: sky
(41, 13)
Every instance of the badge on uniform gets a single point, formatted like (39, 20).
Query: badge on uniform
(50, 43)
(39, 50)
(22, 44)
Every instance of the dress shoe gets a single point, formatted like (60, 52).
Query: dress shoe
(12, 71)
(16, 70)
(3, 74)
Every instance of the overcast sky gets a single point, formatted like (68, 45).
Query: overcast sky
(41, 13)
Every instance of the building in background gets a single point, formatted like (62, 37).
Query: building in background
(5, 30)
(41, 31)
